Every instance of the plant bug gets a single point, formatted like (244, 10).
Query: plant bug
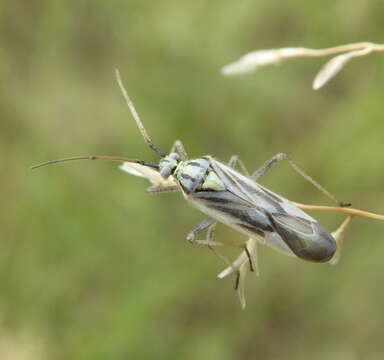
(228, 196)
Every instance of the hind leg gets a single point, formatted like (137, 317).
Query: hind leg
(282, 156)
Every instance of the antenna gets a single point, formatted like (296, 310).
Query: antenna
(93, 157)
(136, 116)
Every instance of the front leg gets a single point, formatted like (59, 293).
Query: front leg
(157, 189)
(178, 147)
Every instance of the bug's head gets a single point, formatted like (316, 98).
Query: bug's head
(168, 164)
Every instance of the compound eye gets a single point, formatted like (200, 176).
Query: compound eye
(165, 172)
(174, 156)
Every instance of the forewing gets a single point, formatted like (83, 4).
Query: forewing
(237, 185)
(251, 192)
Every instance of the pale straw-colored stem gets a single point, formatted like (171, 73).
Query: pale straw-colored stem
(349, 211)
(341, 49)
(255, 60)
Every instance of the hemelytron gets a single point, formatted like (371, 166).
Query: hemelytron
(225, 195)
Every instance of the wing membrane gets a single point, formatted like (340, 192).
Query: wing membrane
(294, 223)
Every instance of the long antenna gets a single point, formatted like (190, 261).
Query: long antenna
(136, 116)
(93, 157)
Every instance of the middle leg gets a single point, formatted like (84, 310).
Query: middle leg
(209, 225)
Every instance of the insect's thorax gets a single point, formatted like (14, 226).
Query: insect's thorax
(197, 175)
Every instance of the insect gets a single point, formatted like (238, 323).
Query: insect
(228, 196)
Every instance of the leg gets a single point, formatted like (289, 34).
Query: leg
(210, 225)
(210, 243)
(210, 236)
(162, 189)
(234, 160)
(178, 147)
(282, 156)
(205, 224)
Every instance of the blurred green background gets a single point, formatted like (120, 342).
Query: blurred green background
(91, 267)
